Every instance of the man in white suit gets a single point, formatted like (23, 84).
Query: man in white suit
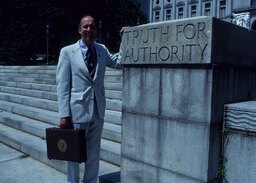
(81, 94)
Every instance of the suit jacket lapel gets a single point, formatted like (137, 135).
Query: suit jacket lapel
(78, 58)
(98, 61)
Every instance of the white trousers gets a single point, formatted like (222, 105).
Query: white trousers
(91, 169)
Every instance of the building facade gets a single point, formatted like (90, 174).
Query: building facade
(144, 6)
(164, 10)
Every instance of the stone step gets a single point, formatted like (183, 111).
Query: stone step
(114, 86)
(113, 94)
(50, 95)
(111, 71)
(113, 79)
(28, 92)
(29, 80)
(28, 103)
(114, 117)
(28, 75)
(35, 68)
(47, 75)
(16, 115)
(37, 75)
(36, 148)
(52, 81)
(112, 132)
(113, 104)
(113, 90)
(43, 115)
(32, 112)
(47, 70)
(110, 149)
(31, 86)
(25, 124)
(113, 156)
(43, 101)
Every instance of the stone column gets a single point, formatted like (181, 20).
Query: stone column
(177, 77)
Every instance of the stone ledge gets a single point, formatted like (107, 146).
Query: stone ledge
(241, 116)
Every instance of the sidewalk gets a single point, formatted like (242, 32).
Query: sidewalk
(16, 167)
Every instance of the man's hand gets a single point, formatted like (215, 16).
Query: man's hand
(65, 122)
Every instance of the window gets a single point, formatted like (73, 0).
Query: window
(207, 9)
(180, 12)
(168, 14)
(157, 16)
(222, 8)
(193, 11)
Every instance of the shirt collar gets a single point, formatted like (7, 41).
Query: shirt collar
(84, 46)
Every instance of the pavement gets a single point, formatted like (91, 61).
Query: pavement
(17, 167)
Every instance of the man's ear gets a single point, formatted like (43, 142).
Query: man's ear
(79, 28)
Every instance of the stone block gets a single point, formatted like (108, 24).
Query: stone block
(169, 177)
(136, 172)
(150, 174)
(160, 143)
(241, 116)
(200, 40)
(141, 90)
(240, 141)
(240, 159)
(186, 93)
(184, 41)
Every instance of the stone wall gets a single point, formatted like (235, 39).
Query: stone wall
(240, 142)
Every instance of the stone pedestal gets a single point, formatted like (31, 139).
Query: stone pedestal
(177, 77)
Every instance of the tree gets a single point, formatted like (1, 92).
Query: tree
(120, 13)
(23, 25)
(24, 29)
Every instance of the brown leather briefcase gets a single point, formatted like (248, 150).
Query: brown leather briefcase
(66, 144)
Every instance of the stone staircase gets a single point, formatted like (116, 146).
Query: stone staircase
(28, 105)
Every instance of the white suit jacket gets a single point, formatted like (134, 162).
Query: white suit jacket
(75, 87)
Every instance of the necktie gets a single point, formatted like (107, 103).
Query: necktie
(90, 61)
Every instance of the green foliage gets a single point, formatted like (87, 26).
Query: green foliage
(225, 131)
(221, 173)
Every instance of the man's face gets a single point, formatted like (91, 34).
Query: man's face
(88, 30)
